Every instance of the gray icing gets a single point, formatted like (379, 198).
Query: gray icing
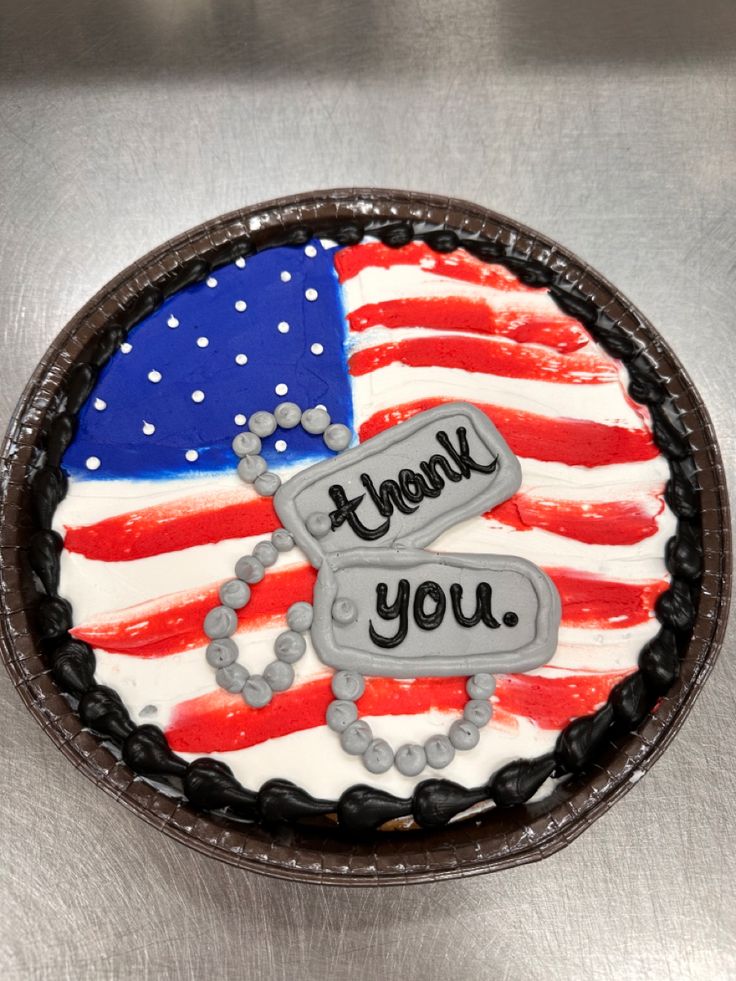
(250, 467)
(282, 540)
(408, 484)
(289, 646)
(464, 734)
(439, 751)
(288, 415)
(267, 483)
(247, 444)
(234, 593)
(398, 595)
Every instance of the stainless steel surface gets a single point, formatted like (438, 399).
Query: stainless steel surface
(608, 125)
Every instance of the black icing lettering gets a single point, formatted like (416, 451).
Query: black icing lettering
(345, 511)
(483, 596)
(430, 470)
(399, 608)
(461, 457)
(432, 591)
(387, 497)
(414, 486)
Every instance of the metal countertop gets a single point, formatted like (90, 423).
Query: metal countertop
(607, 125)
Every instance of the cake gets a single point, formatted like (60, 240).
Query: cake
(515, 582)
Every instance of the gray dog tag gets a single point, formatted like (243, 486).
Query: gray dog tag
(409, 484)
(408, 613)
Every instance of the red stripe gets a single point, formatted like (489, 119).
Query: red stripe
(171, 527)
(460, 265)
(493, 356)
(592, 602)
(220, 722)
(473, 315)
(174, 623)
(592, 522)
(575, 442)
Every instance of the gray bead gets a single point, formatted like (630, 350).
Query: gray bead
(222, 652)
(147, 712)
(356, 739)
(266, 553)
(282, 540)
(348, 684)
(440, 752)
(344, 611)
(234, 593)
(478, 711)
(256, 692)
(340, 714)
(315, 421)
(379, 757)
(337, 437)
(288, 415)
(463, 734)
(410, 759)
(289, 646)
(278, 675)
(262, 423)
(481, 685)
(267, 484)
(299, 616)
(318, 524)
(232, 678)
(220, 622)
(249, 569)
(251, 467)
(246, 444)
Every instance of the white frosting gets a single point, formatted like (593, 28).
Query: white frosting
(600, 403)
(313, 759)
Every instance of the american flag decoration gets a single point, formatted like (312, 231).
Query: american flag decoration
(156, 517)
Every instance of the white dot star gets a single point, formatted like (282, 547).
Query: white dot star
(198, 395)
(311, 294)
(212, 282)
(281, 389)
(317, 349)
(280, 445)
(282, 327)
(148, 428)
(240, 419)
(240, 263)
(100, 405)
(192, 456)
(126, 348)
(241, 305)
(92, 463)
(285, 276)
(172, 322)
(155, 376)
(310, 251)
(241, 359)
(202, 341)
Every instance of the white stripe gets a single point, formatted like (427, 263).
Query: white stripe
(96, 588)
(375, 285)
(313, 760)
(642, 562)
(398, 383)
(163, 682)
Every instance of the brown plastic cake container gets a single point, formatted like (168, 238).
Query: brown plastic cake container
(493, 840)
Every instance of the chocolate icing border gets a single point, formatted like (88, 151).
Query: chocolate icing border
(208, 783)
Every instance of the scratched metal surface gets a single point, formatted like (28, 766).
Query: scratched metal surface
(608, 125)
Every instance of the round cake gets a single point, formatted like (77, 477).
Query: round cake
(382, 522)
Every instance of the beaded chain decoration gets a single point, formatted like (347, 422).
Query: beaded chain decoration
(257, 690)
